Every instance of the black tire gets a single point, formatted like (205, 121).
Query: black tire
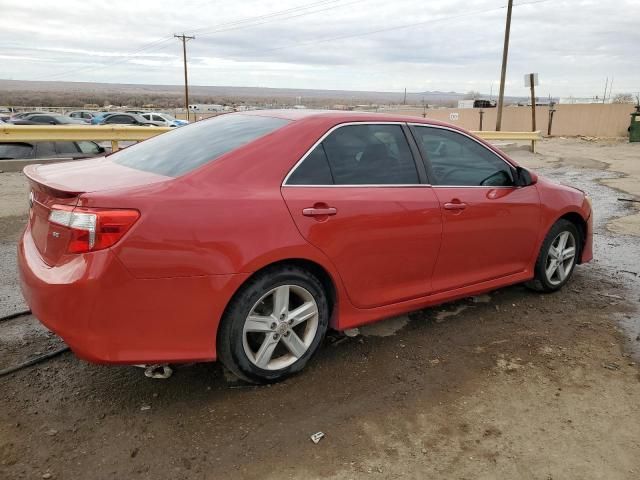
(231, 347)
(541, 281)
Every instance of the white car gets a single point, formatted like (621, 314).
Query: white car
(163, 119)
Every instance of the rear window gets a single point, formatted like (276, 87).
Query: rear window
(184, 149)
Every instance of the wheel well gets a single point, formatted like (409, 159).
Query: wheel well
(316, 269)
(581, 225)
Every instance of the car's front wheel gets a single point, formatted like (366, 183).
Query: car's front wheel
(557, 258)
(273, 325)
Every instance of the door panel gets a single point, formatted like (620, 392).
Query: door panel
(384, 241)
(490, 226)
(494, 235)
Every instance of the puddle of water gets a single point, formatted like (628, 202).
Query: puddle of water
(444, 314)
(617, 255)
(385, 328)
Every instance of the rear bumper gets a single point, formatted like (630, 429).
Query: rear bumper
(107, 316)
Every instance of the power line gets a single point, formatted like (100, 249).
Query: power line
(288, 17)
(151, 47)
(396, 27)
(205, 30)
(162, 43)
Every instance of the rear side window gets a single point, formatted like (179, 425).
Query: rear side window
(314, 170)
(368, 154)
(184, 149)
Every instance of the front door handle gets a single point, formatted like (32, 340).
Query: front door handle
(455, 206)
(319, 211)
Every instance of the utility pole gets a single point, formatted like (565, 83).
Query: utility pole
(184, 38)
(533, 102)
(503, 74)
(606, 84)
(404, 101)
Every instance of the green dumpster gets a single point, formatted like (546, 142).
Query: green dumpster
(634, 128)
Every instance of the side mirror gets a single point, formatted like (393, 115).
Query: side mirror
(524, 177)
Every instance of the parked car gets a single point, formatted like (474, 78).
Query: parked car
(30, 150)
(47, 119)
(20, 115)
(244, 237)
(100, 116)
(85, 115)
(164, 119)
(126, 119)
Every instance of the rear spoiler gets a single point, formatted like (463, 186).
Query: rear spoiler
(39, 183)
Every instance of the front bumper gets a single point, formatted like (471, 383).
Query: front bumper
(107, 316)
(587, 250)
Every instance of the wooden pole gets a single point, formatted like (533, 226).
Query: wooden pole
(503, 73)
(184, 39)
(533, 110)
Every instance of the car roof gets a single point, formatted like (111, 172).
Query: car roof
(50, 114)
(339, 116)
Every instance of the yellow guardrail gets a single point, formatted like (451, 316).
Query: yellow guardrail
(116, 133)
(61, 133)
(494, 135)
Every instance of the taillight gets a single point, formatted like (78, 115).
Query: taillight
(92, 228)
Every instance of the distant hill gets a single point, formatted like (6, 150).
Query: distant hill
(43, 93)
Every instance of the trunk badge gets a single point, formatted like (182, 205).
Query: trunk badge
(56, 234)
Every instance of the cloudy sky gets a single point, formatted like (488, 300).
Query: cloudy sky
(447, 45)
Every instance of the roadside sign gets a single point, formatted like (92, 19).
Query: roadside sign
(527, 79)
(454, 116)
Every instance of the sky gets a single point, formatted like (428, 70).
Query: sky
(374, 45)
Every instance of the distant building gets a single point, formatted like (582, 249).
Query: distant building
(206, 107)
(576, 100)
(476, 103)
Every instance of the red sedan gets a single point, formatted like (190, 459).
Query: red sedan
(244, 237)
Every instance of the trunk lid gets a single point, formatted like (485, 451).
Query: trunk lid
(63, 184)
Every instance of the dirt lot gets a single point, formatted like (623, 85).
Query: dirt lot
(508, 385)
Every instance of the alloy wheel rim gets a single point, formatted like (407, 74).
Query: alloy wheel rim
(560, 258)
(280, 327)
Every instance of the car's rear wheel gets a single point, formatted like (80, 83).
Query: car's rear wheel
(557, 258)
(273, 325)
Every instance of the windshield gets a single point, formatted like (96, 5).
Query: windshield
(184, 149)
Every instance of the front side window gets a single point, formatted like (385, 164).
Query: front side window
(367, 154)
(183, 149)
(88, 147)
(457, 160)
(66, 147)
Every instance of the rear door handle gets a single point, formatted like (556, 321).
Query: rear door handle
(455, 206)
(317, 211)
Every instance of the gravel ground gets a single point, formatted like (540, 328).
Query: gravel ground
(507, 385)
